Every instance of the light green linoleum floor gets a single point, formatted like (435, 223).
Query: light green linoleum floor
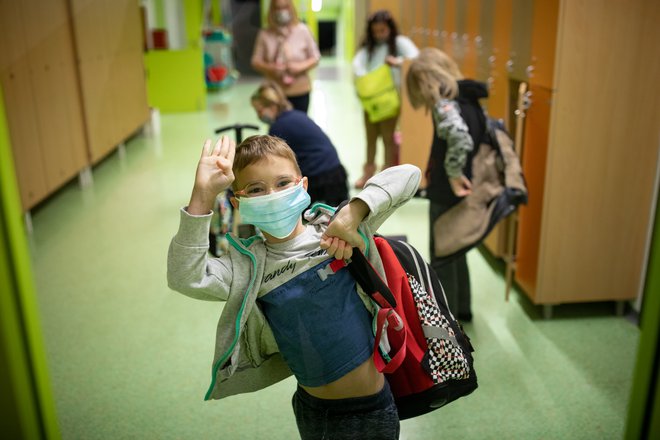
(130, 359)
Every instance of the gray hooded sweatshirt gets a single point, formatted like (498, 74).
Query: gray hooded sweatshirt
(246, 355)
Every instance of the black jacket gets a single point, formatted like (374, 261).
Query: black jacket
(438, 188)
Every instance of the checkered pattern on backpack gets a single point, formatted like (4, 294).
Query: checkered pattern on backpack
(444, 359)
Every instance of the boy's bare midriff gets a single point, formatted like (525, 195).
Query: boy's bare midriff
(364, 380)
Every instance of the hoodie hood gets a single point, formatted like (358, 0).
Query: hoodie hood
(471, 89)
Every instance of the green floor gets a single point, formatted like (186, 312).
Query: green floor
(129, 359)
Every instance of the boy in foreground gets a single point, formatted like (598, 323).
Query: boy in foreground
(286, 310)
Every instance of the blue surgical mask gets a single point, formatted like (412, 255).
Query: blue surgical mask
(276, 213)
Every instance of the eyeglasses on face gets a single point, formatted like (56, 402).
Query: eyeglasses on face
(261, 188)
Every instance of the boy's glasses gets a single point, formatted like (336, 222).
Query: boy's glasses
(260, 188)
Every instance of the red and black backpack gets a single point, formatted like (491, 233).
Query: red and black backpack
(423, 351)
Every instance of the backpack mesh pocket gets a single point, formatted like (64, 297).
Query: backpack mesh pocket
(444, 359)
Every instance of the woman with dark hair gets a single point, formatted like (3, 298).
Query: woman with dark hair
(382, 45)
(285, 52)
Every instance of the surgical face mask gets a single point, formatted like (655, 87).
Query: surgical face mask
(266, 119)
(276, 213)
(283, 17)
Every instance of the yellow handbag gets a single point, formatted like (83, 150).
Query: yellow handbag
(378, 94)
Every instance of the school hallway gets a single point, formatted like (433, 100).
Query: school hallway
(130, 359)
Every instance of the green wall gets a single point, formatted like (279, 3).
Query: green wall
(175, 78)
(347, 18)
(644, 407)
(26, 402)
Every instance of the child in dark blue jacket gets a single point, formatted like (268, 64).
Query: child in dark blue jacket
(316, 155)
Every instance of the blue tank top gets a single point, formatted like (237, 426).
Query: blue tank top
(322, 327)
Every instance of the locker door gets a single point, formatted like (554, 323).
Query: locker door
(520, 52)
(473, 15)
(534, 167)
(484, 45)
(544, 42)
(498, 78)
(433, 23)
(449, 28)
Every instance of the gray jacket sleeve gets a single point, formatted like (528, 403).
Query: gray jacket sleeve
(190, 269)
(386, 191)
(451, 127)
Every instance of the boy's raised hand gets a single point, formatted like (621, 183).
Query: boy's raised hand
(214, 174)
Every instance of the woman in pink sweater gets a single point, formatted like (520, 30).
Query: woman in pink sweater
(285, 52)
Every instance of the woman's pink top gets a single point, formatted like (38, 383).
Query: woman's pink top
(290, 43)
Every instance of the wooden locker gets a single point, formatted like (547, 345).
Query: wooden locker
(394, 6)
(433, 27)
(95, 77)
(498, 89)
(90, 27)
(440, 37)
(472, 39)
(19, 102)
(131, 108)
(459, 36)
(449, 28)
(407, 20)
(59, 122)
(520, 49)
(419, 33)
(498, 86)
(484, 47)
(583, 236)
(111, 71)
(54, 83)
(42, 98)
(544, 39)
(26, 140)
(537, 129)
(130, 39)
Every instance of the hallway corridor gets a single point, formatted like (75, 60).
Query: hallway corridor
(130, 359)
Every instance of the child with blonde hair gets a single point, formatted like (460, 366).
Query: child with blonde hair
(435, 82)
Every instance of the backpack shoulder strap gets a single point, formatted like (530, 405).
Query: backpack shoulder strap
(490, 136)
(369, 280)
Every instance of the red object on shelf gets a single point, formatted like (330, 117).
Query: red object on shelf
(159, 39)
(216, 73)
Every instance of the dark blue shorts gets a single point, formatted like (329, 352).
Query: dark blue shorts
(369, 417)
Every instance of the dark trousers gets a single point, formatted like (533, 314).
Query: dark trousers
(300, 102)
(330, 187)
(454, 275)
(365, 418)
